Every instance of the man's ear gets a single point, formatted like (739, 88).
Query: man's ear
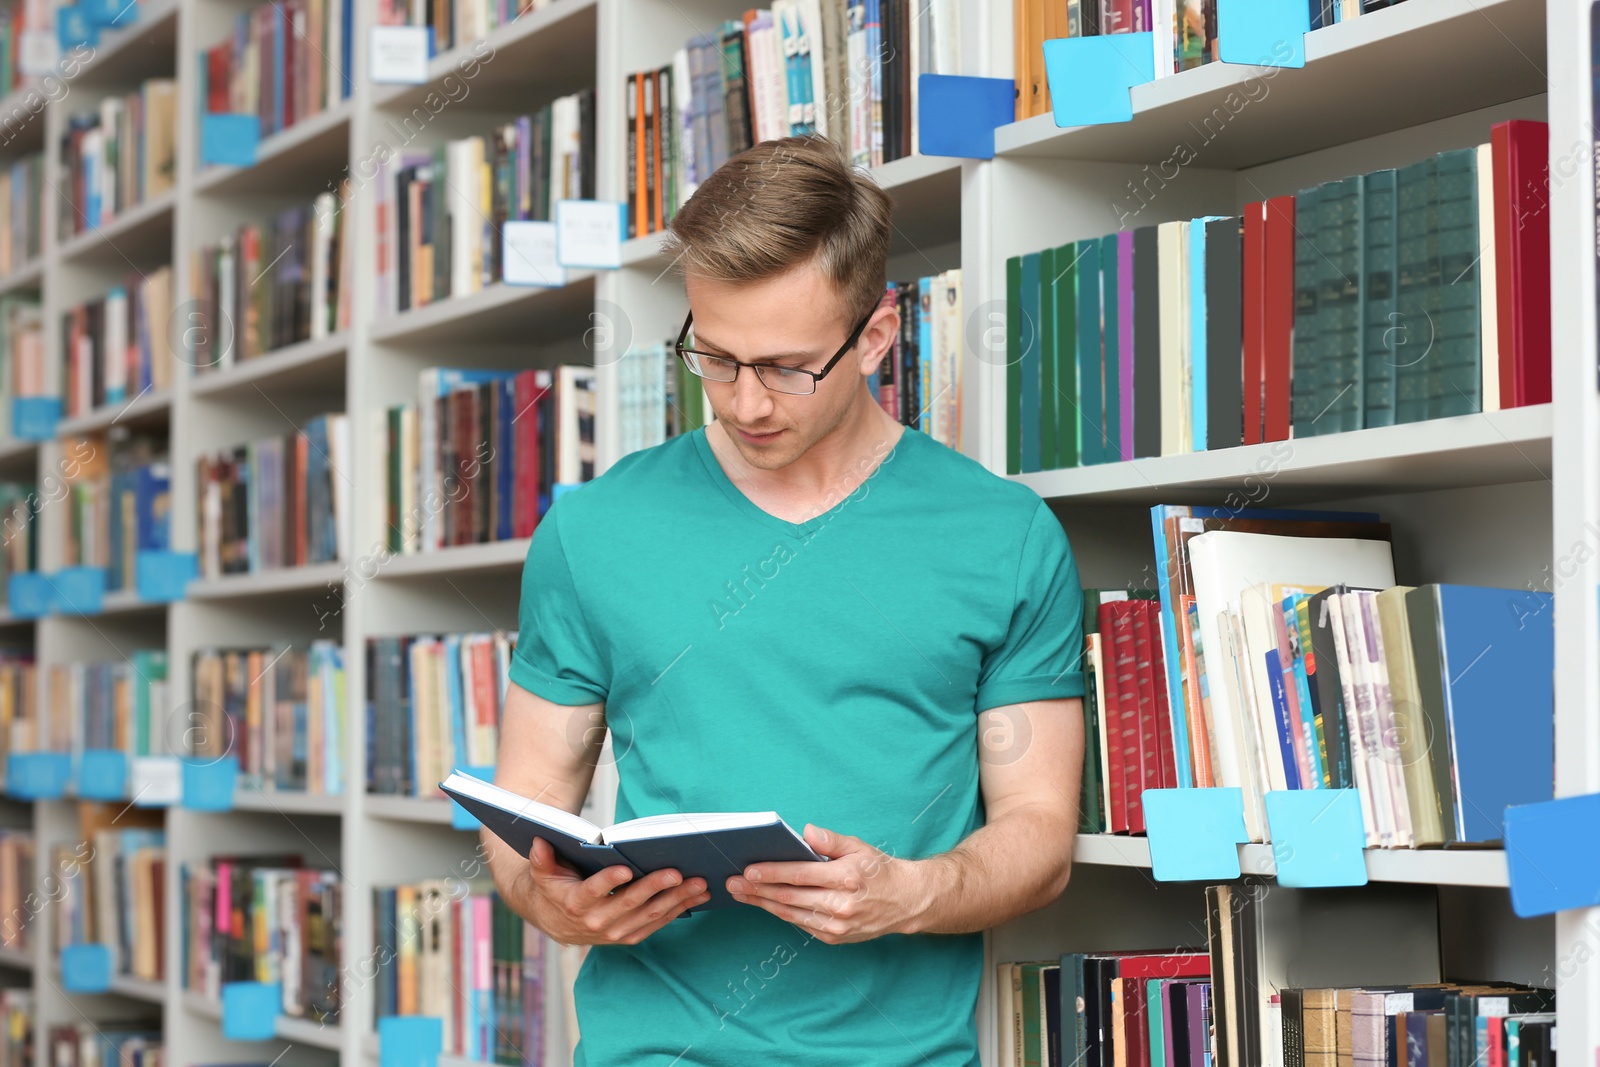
(877, 337)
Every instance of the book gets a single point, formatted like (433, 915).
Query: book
(710, 845)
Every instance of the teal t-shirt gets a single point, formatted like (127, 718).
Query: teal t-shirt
(830, 671)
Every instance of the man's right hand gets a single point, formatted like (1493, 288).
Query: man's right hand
(585, 911)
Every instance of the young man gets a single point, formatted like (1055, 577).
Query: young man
(804, 608)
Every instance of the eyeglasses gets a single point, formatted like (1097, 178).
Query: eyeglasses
(796, 380)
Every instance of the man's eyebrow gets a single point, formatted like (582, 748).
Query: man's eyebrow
(710, 345)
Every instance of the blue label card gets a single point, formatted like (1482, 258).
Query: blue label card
(208, 784)
(400, 55)
(86, 968)
(34, 418)
(250, 1010)
(155, 781)
(959, 114)
(38, 775)
(80, 590)
(409, 1040)
(29, 595)
(1264, 33)
(162, 576)
(1317, 837)
(1194, 833)
(528, 254)
(1090, 76)
(102, 774)
(229, 140)
(74, 27)
(589, 233)
(112, 14)
(1553, 855)
(461, 818)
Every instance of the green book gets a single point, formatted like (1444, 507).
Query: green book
(1152, 1011)
(1047, 362)
(1014, 365)
(1090, 398)
(1307, 277)
(1091, 816)
(1111, 351)
(1416, 260)
(1030, 363)
(1032, 1016)
(1339, 388)
(1455, 378)
(1378, 297)
(1062, 295)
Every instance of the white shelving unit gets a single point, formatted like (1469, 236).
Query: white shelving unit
(1499, 498)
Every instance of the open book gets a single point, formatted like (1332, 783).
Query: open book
(710, 845)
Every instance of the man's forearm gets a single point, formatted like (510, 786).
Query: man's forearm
(1015, 864)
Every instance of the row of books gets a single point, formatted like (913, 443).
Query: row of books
(23, 372)
(118, 486)
(264, 919)
(279, 710)
(16, 1027)
(118, 156)
(918, 381)
(1397, 296)
(846, 69)
(459, 22)
(19, 528)
(1192, 43)
(114, 895)
(277, 502)
(20, 21)
(22, 197)
(18, 879)
(476, 458)
(434, 704)
(1292, 660)
(455, 951)
(89, 1044)
(117, 346)
(270, 285)
(112, 704)
(657, 397)
(20, 729)
(440, 213)
(284, 62)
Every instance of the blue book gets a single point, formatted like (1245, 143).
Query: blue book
(1030, 357)
(1198, 394)
(1286, 729)
(714, 846)
(924, 350)
(452, 676)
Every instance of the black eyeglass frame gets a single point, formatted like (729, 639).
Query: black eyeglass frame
(816, 375)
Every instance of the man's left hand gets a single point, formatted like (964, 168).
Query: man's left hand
(859, 894)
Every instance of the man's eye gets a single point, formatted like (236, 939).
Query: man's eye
(790, 373)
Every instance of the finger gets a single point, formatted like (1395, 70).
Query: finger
(826, 900)
(818, 922)
(804, 872)
(644, 890)
(599, 885)
(546, 864)
(643, 922)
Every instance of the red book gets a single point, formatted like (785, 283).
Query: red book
(1166, 965)
(1126, 721)
(1117, 817)
(1158, 681)
(1521, 152)
(1144, 676)
(1278, 317)
(1255, 254)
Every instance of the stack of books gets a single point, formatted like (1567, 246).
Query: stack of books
(119, 156)
(116, 704)
(283, 63)
(16, 1027)
(22, 356)
(22, 199)
(18, 882)
(117, 347)
(918, 381)
(86, 1044)
(115, 881)
(20, 729)
(459, 23)
(657, 397)
(19, 528)
(117, 488)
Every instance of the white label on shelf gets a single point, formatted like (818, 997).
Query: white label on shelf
(589, 233)
(155, 780)
(528, 254)
(38, 52)
(399, 55)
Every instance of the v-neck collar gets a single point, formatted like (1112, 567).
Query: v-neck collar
(797, 530)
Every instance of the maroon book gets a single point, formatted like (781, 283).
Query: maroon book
(1521, 153)
(1278, 317)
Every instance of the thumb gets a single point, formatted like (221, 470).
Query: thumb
(826, 842)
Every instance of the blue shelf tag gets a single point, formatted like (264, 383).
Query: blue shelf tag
(112, 14)
(102, 774)
(229, 140)
(1090, 76)
(250, 1010)
(1553, 855)
(959, 114)
(155, 781)
(208, 784)
(461, 818)
(161, 576)
(29, 595)
(1317, 837)
(1194, 833)
(589, 233)
(400, 55)
(1262, 33)
(86, 968)
(38, 775)
(409, 1040)
(74, 27)
(80, 590)
(34, 418)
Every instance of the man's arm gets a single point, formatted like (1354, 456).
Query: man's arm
(548, 752)
(1030, 760)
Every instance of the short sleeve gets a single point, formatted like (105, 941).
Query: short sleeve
(1041, 657)
(557, 657)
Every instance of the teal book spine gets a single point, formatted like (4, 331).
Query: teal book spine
(1378, 297)
(1090, 354)
(1307, 280)
(1048, 413)
(925, 296)
(1456, 376)
(1158, 1047)
(1111, 353)
(1063, 295)
(1013, 365)
(1339, 396)
(1412, 334)
(1030, 362)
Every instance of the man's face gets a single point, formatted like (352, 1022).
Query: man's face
(797, 319)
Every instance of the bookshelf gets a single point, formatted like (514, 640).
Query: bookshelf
(1498, 498)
